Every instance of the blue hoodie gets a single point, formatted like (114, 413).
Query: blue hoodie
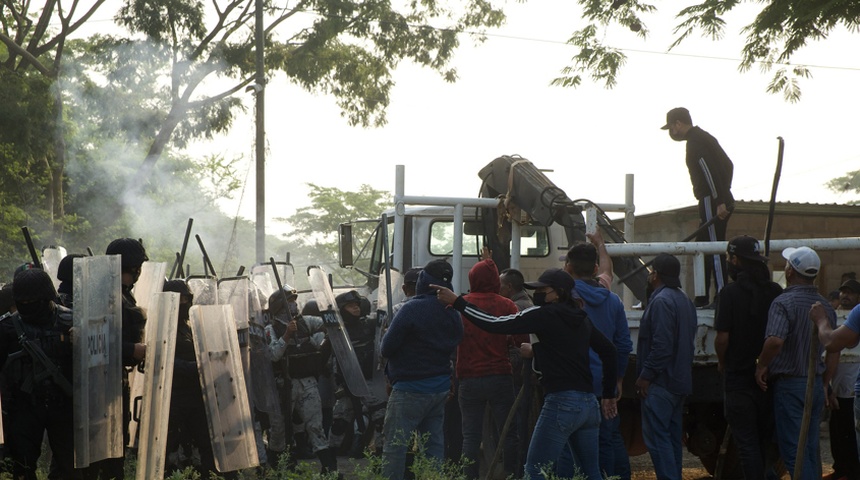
(606, 312)
(423, 335)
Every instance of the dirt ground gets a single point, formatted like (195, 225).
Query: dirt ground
(642, 468)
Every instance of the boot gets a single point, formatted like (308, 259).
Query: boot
(272, 458)
(303, 448)
(328, 461)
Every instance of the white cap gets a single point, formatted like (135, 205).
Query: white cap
(803, 260)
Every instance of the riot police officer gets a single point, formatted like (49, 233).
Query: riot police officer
(187, 425)
(349, 409)
(133, 349)
(36, 358)
(301, 338)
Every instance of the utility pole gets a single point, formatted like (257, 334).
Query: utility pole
(260, 88)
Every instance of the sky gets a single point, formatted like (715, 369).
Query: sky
(589, 137)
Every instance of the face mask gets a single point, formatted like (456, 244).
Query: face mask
(676, 136)
(732, 270)
(294, 310)
(539, 298)
(35, 310)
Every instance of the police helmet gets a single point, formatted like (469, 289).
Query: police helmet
(32, 286)
(132, 251)
(276, 299)
(351, 296)
(178, 286)
(64, 269)
(311, 308)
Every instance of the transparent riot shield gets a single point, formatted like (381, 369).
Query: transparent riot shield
(237, 292)
(148, 285)
(51, 258)
(346, 359)
(157, 384)
(230, 425)
(264, 278)
(97, 394)
(204, 288)
(377, 382)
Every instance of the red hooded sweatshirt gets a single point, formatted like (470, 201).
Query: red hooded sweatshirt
(481, 353)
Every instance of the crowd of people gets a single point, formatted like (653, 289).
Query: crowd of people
(443, 363)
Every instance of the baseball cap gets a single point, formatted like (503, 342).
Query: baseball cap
(851, 285)
(555, 278)
(803, 260)
(669, 269)
(676, 114)
(747, 247)
(411, 276)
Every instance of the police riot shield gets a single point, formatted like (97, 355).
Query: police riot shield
(264, 278)
(149, 283)
(377, 382)
(346, 359)
(237, 292)
(204, 288)
(223, 381)
(51, 258)
(161, 322)
(97, 357)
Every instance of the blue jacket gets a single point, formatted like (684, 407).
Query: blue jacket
(423, 335)
(664, 353)
(606, 312)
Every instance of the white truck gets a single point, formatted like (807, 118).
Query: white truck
(538, 224)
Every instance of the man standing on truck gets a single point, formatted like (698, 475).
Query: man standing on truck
(664, 357)
(606, 312)
(711, 173)
(783, 361)
(740, 321)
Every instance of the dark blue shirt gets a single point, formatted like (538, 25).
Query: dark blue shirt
(666, 341)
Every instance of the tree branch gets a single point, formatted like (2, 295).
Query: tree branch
(14, 47)
(215, 98)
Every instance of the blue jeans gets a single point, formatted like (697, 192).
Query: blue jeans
(789, 395)
(409, 412)
(614, 461)
(662, 431)
(568, 419)
(475, 394)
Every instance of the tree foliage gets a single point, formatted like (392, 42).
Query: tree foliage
(779, 31)
(315, 227)
(850, 182)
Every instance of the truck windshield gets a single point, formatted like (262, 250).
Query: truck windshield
(533, 240)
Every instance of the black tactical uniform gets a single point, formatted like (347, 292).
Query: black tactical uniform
(133, 322)
(36, 358)
(187, 425)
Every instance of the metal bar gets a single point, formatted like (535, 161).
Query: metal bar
(516, 244)
(449, 201)
(457, 261)
(716, 248)
(399, 219)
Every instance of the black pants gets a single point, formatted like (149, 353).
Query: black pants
(715, 265)
(750, 415)
(188, 425)
(843, 443)
(27, 421)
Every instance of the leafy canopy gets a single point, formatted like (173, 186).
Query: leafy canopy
(779, 31)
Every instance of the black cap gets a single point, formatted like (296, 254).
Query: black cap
(555, 278)
(851, 285)
(411, 276)
(132, 251)
(440, 270)
(669, 269)
(747, 247)
(351, 296)
(676, 114)
(33, 285)
(64, 269)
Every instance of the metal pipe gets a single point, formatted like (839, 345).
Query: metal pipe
(699, 275)
(399, 220)
(448, 201)
(716, 248)
(457, 261)
(629, 232)
(516, 244)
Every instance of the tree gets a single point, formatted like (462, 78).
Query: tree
(39, 46)
(315, 227)
(848, 182)
(348, 49)
(779, 30)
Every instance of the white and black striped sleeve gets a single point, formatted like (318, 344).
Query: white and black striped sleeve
(520, 322)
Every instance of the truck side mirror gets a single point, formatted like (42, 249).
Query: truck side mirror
(345, 243)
